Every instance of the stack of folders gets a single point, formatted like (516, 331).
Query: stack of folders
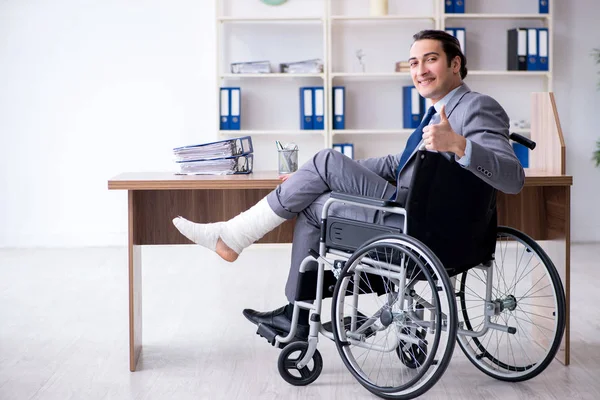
(230, 108)
(454, 6)
(314, 66)
(225, 157)
(312, 108)
(414, 107)
(461, 35)
(527, 49)
(251, 67)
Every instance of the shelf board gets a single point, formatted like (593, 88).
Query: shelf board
(509, 73)
(496, 16)
(270, 19)
(379, 18)
(270, 75)
(520, 131)
(371, 75)
(372, 131)
(266, 132)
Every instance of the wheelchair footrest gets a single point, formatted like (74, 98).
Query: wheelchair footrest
(267, 332)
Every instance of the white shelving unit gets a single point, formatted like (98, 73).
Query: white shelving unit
(338, 22)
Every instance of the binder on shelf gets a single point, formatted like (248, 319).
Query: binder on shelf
(532, 50)
(306, 108)
(522, 154)
(517, 49)
(459, 6)
(461, 35)
(234, 108)
(224, 109)
(346, 149)
(319, 107)
(413, 106)
(449, 6)
(542, 49)
(339, 107)
(217, 166)
(544, 6)
(219, 149)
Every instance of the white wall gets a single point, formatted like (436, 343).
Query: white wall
(89, 89)
(92, 89)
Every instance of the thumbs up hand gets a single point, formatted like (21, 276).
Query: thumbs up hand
(441, 137)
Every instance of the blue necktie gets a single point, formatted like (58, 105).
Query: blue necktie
(414, 140)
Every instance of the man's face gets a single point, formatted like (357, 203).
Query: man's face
(429, 69)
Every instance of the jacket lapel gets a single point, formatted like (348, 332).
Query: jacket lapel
(462, 90)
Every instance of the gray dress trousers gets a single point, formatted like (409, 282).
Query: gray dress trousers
(304, 194)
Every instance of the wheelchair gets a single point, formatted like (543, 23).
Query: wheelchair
(402, 298)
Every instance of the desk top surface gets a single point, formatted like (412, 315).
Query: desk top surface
(261, 180)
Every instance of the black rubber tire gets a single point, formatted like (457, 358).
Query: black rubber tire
(307, 375)
(443, 362)
(561, 310)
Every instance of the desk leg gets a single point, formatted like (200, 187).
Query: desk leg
(135, 288)
(557, 206)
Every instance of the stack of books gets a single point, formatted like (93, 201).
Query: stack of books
(225, 157)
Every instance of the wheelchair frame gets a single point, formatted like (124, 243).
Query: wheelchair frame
(492, 308)
(414, 319)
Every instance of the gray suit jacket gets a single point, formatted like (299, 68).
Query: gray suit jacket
(484, 122)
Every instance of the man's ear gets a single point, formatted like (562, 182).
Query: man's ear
(456, 64)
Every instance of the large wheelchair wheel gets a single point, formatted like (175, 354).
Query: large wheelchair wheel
(527, 296)
(394, 317)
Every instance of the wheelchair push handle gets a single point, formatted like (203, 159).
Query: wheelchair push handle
(523, 140)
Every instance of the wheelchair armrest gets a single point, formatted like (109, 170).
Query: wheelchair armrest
(371, 201)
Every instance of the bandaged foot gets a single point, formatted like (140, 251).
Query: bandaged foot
(228, 239)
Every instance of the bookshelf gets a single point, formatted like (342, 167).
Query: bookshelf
(333, 30)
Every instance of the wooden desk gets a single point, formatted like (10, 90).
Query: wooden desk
(541, 210)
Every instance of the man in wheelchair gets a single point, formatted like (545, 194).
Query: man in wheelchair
(415, 267)
(469, 128)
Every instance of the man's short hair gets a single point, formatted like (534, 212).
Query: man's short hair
(450, 45)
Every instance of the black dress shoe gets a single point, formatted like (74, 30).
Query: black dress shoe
(278, 320)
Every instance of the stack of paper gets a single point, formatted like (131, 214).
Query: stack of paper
(231, 156)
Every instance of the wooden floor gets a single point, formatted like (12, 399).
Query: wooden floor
(64, 332)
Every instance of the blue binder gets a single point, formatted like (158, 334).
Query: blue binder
(318, 107)
(544, 6)
(306, 108)
(235, 105)
(542, 49)
(339, 107)
(461, 35)
(532, 50)
(522, 154)
(459, 6)
(449, 6)
(413, 106)
(224, 109)
(346, 149)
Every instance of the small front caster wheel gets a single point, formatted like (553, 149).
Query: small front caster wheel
(287, 364)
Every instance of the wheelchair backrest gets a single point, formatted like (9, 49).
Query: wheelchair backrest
(452, 211)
